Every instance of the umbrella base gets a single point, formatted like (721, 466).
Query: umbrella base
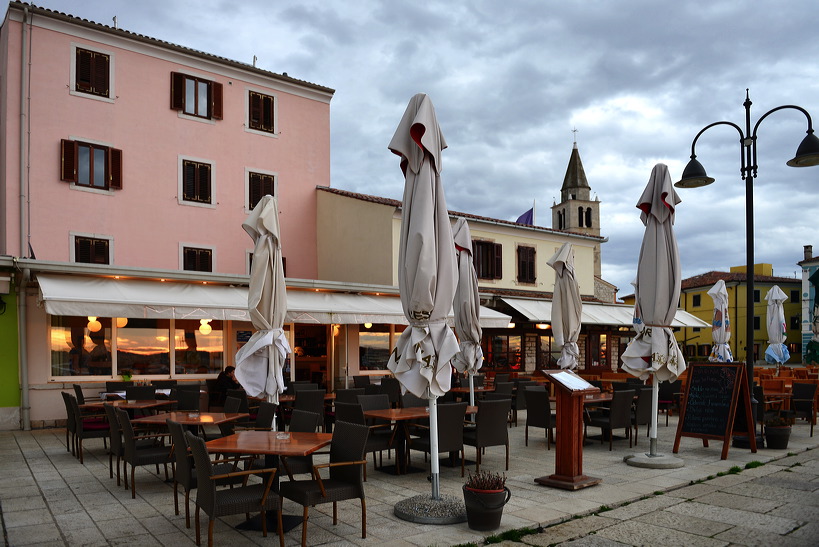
(743, 441)
(425, 510)
(658, 461)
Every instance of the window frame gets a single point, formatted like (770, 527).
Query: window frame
(696, 300)
(264, 173)
(796, 296)
(178, 91)
(74, 236)
(184, 247)
(69, 164)
(182, 160)
(273, 130)
(72, 87)
(526, 265)
(494, 264)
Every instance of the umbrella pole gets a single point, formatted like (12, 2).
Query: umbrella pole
(655, 390)
(471, 393)
(433, 447)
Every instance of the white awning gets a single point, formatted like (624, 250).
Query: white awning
(103, 297)
(596, 314)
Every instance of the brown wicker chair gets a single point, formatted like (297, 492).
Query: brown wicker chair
(244, 499)
(83, 426)
(539, 413)
(307, 422)
(616, 416)
(490, 428)
(138, 454)
(450, 431)
(346, 476)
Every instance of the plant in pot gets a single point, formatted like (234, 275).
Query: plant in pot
(126, 374)
(778, 430)
(485, 494)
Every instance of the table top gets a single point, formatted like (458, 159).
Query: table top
(191, 418)
(267, 442)
(409, 413)
(291, 397)
(130, 405)
(465, 389)
(593, 398)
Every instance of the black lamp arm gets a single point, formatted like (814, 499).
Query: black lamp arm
(768, 113)
(741, 139)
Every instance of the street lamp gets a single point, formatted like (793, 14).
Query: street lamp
(694, 176)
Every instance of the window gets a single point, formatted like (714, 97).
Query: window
(503, 352)
(696, 329)
(261, 112)
(374, 346)
(796, 322)
(547, 355)
(196, 185)
(92, 72)
(696, 300)
(795, 296)
(756, 322)
(488, 259)
(597, 351)
(196, 96)
(91, 165)
(526, 264)
(197, 260)
(580, 217)
(588, 217)
(258, 186)
(703, 350)
(198, 346)
(90, 250)
(756, 295)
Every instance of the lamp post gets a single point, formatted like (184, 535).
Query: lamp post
(694, 176)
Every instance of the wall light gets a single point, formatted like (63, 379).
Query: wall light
(121, 322)
(511, 325)
(204, 326)
(543, 326)
(93, 324)
(368, 325)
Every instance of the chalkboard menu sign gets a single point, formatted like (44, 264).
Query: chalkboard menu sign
(710, 402)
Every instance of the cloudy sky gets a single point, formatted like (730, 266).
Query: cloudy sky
(510, 80)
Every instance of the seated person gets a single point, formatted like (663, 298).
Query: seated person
(225, 381)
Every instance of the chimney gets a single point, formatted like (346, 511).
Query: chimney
(808, 252)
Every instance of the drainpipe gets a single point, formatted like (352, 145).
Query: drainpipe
(25, 408)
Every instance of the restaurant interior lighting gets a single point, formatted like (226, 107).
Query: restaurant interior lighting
(121, 322)
(93, 324)
(204, 326)
(511, 325)
(368, 325)
(543, 326)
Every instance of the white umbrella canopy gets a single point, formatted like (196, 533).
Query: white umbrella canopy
(567, 307)
(426, 259)
(720, 325)
(467, 308)
(426, 267)
(777, 351)
(654, 350)
(260, 361)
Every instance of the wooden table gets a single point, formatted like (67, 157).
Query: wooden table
(291, 397)
(400, 417)
(129, 405)
(192, 419)
(465, 389)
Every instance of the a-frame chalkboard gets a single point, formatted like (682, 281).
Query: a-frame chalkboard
(709, 404)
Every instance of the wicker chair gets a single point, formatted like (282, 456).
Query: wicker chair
(83, 427)
(345, 481)
(354, 414)
(641, 414)
(802, 403)
(539, 413)
(138, 454)
(616, 416)
(244, 499)
(305, 422)
(490, 428)
(450, 432)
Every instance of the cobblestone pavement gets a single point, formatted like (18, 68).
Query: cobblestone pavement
(48, 498)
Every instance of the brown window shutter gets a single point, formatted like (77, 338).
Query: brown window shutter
(216, 100)
(115, 168)
(204, 184)
(68, 166)
(254, 191)
(83, 70)
(101, 65)
(188, 180)
(498, 261)
(100, 251)
(206, 262)
(531, 263)
(82, 250)
(177, 91)
(255, 113)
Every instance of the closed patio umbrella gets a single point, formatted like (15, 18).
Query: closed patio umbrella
(566, 307)
(777, 351)
(467, 308)
(426, 266)
(260, 361)
(654, 351)
(720, 325)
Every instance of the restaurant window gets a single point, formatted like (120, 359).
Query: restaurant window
(796, 322)
(90, 165)
(696, 300)
(690, 350)
(197, 260)
(198, 346)
(547, 353)
(373, 346)
(196, 96)
(80, 346)
(795, 348)
(92, 72)
(258, 186)
(261, 112)
(92, 250)
(504, 352)
(597, 351)
(488, 259)
(795, 296)
(196, 182)
(703, 350)
(526, 264)
(143, 346)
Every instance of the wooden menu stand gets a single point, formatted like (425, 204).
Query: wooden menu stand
(571, 390)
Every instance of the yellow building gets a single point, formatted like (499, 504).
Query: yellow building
(694, 298)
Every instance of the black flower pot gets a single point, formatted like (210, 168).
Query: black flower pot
(484, 508)
(777, 437)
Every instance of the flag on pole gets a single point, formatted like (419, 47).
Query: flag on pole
(527, 218)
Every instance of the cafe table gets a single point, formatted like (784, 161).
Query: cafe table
(129, 404)
(400, 417)
(272, 445)
(191, 420)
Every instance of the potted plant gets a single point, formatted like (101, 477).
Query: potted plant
(485, 494)
(778, 430)
(126, 374)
